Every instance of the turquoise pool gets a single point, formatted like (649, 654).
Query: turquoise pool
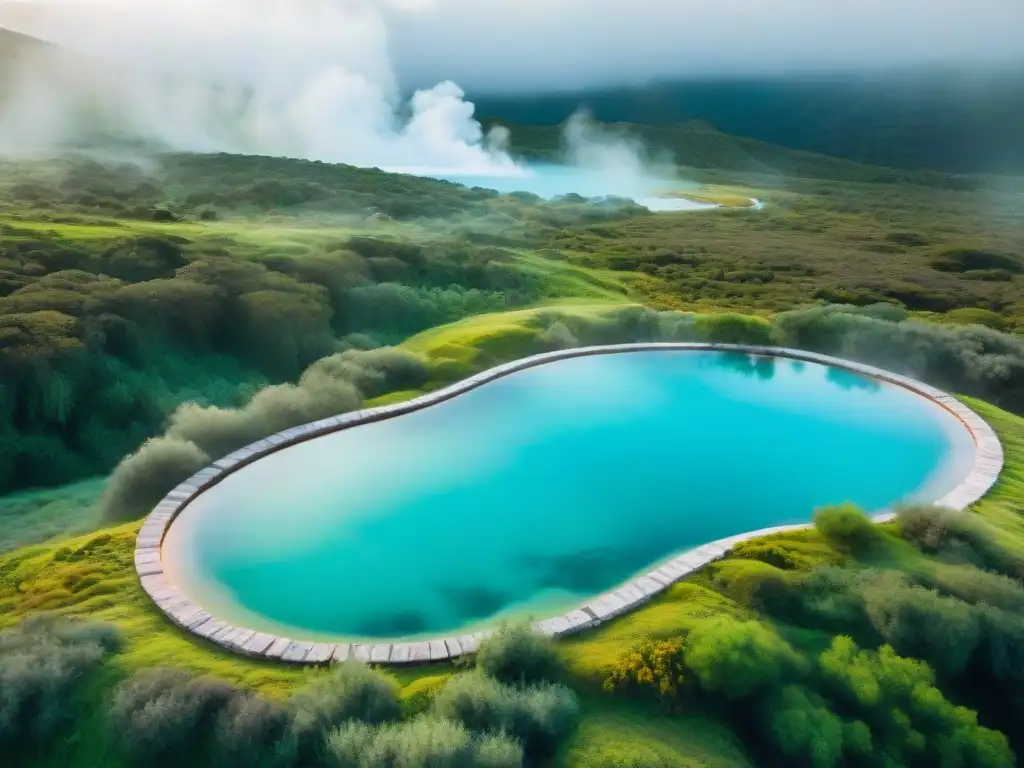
(535, 491)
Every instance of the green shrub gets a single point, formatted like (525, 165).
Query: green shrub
(146, 476)
(517, 654)
(349, 746)
(654, 666)
(329, 387)
(911, 722)
(803, 729)
(540, 716)
(43, 662)
(975, 586)
(738, 659)
(165, 717)
(748, 582)
(735, 329)
(558, 336)
(255, 732)
(846, 527)
(924, 525)
(959, 536)
(351, 692)
(425, 742)
(921, 623)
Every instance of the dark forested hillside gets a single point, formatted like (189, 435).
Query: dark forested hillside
(951, 120)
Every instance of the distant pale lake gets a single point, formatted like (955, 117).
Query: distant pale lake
(535, 491)
(550, 181)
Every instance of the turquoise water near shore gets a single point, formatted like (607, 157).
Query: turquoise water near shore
(550, 181)
(537, 490)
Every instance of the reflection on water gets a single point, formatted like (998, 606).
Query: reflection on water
(850, 380)
(750, 365)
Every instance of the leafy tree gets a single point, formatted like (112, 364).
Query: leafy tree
(737, 659)
(911, 722)
(802, 728)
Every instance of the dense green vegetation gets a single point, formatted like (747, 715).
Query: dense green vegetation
(153, 318)
(107, 324)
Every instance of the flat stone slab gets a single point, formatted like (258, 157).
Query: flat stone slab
(419, 652)
(401, 653)
(320, 653)
(438, 650)
(209, 628)
(454, 647)
(987, 464)
(296, 651)
(258, 644)
(277, 648)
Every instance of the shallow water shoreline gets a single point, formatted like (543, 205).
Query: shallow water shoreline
(985, 466)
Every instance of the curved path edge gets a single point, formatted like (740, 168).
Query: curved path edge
(182, 611)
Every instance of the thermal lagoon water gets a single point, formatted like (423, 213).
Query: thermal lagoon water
(550, 181)
(535, 491)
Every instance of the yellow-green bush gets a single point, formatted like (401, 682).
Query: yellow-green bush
(656, 667)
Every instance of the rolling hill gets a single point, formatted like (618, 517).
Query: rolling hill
(958, 120)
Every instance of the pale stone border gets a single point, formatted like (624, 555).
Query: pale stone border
(988, 462)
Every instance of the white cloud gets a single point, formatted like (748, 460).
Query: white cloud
(321, 78)
(303, 78)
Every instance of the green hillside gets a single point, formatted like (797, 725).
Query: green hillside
(963, 119)
(697, 144)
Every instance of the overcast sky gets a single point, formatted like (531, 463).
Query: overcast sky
(542, 44)
(538, 44)
(324, 79)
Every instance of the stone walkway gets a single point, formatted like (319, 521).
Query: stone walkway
(987, 464)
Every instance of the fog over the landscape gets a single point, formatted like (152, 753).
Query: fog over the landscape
(551, 44)
(322, 79)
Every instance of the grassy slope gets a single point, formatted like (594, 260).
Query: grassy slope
(32, 516)
(696, 144)
(817, 239)
(94, 575)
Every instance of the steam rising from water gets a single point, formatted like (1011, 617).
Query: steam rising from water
(308, 79)
(298, 78)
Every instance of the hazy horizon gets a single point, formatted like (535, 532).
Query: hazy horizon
(329, 79)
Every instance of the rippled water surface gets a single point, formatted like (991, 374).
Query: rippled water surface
(538, 490)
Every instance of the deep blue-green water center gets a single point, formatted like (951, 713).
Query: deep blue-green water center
(536, 491)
